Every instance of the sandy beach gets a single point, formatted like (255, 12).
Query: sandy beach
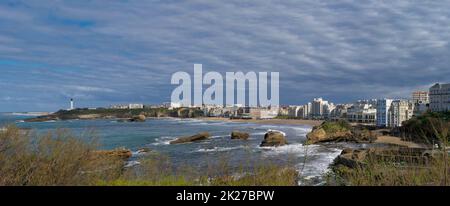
(268, 121)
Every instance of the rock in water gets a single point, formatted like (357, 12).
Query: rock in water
(138, 118)
(273, 138)
(239, 135)
(143, 150)
(197, 137)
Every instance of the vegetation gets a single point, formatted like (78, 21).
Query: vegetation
(385, 172)
(60, 158)
(337, 126)
(52, 159)
(431, 128)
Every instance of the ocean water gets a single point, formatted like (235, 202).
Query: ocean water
(312, 161)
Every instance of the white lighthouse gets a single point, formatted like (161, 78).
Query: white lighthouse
(71, 104)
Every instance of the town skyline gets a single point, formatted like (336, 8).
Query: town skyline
(67, 104)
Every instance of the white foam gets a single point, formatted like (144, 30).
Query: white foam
(132, 163)
(138, 153)
(318, 158)
(220, 149)
(294, 149)
(219, 136)
(320, 164)
(164, 140)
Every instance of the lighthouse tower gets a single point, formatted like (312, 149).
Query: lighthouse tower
(71, 104)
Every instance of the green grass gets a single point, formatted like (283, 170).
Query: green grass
(338, 126)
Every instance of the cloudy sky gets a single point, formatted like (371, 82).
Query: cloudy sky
(104, 52)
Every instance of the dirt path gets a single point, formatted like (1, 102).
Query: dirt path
(397, 141)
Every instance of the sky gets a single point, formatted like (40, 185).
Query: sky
(107, 52)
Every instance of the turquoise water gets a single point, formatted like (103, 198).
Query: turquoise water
(156, 134)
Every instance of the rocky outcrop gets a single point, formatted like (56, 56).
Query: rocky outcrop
(123, 114)
(273, 139)
(143, 150)
(320, 135)
(43, 118)
(353, 158)
(194, 138)
(338, 132)
(239, 135)
(138, 118)
(363, 135)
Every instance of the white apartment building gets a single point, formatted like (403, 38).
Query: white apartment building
(268, 113)
(317, 107)
(119, 106)
(421, 97)
(305, 111)
(283, 111)
(320, 108)
(440, 97)
(383, 106)
(174, 105)
(135, 106)
(400, 111)
(292, 111)
(327, 109)
(340, 112)
(362, 112)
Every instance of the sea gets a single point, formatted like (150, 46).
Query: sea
(312, 161)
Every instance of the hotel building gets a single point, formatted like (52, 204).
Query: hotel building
(400, 111)
(440, 97)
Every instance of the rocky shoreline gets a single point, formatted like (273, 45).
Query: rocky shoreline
(378, 146)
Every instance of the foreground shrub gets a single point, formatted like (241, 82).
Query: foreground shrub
(378, 172)
(430, 128)
(56, 158)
